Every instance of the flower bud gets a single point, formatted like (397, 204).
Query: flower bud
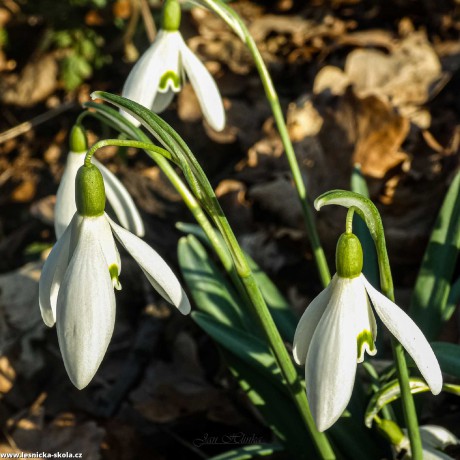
(349, 256)
(89, 191)
(171, 16)
(77, 140)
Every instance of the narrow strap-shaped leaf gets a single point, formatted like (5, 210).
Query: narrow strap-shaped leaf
(248, 348)
(211, 292)
(429, 300)
(276, 302)
(448, 355)
(248, 452)
(391, 392)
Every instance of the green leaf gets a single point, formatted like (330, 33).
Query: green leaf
(242, 344)
(279, 307)
(448, 355)
(389, 393)
(248, 452)
(258, 374)
(210, 290)
(429, 306)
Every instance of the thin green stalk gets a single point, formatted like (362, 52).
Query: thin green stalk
(235, 22)
(410, 413)
(364, 207)
(160, 155)
(205, 195)
(272, 334)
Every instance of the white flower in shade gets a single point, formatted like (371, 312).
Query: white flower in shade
(117, 195)
(76, 289)
(339, 326)
(162, 69)
(435, 439)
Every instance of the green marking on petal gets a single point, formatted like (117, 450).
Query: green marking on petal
(365, 342)
(169, 76)
(113, 270)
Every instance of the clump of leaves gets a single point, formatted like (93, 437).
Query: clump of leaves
(83, 54)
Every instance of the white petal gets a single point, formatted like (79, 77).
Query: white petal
(85, 308)
(155, 268)
(65, 198)
(52, 275)
(331, 359)
(437, 437)
(410, 337)
(101, 227)
(121, 201)
(205, 88)
(142, 83)
(308, 323)
(433, 454)
(162, 100)
(365, 325)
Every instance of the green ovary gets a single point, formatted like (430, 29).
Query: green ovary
(365, 338)
(169, 76)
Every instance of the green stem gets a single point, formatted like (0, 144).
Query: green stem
(272, 334)
(111, 118)
(368, 212)
(206, 197)
(160, 156)
(235, 22)
(410, 413)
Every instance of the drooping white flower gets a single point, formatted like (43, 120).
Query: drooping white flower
(162, 69)
(339, 326)
(435, 439)
(76, 289)
(117, 195)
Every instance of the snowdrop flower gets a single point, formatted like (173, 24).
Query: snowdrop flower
(76, 289)
(434, 440)
(117, 195)
(339, 326)
(162, 69)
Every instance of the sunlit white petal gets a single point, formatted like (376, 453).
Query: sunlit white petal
(205, 88)
(433, 454)
(52, 275)
(437, 437)
(308, 322)
(155, 268)
(85, 308)
(142, 83)
(331, 360)
(101, 228)
(121, 201)
(65, 197)
(410, 337)
(162, 101)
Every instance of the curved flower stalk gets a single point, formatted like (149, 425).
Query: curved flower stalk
(117, 195)
(339, 326)
(162, 69)
(76, 289)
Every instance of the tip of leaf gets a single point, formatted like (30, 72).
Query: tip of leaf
(95, 95)
(318, 203)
